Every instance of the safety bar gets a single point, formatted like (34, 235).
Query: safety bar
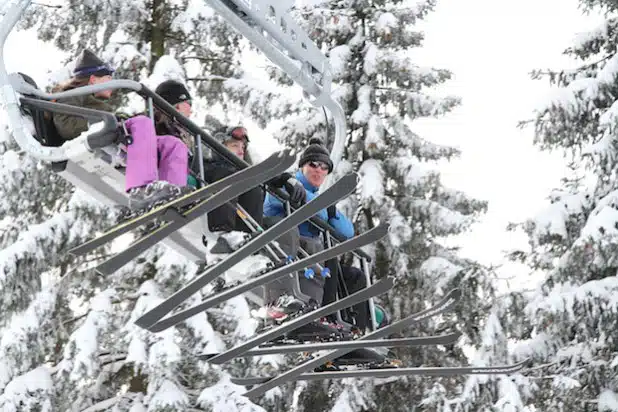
(105, 137)
(223, 151)
(287, 38)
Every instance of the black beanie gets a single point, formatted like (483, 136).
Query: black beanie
(316, 152)
(173, 92)
(88, 64)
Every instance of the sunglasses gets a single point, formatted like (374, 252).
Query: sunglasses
(321, 165)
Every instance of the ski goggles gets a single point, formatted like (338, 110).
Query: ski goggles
(239, 133)
(318, 165)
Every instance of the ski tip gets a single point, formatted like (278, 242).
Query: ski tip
(454, 294)
(381, 230)
(206, 356)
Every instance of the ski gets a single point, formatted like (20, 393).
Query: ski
(166, 212)
(370, 236)
(290, 375)
(376, 289)
(339, 190)
(350, 344)
(204, 206)
(391, 372)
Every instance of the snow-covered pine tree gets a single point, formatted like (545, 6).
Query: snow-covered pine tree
(383, 90)
(570, 316)
(68, 341)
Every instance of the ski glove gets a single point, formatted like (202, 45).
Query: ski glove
(331, 211)
(297, 192)
(295, 189)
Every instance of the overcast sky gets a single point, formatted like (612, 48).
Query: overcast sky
(491, 46)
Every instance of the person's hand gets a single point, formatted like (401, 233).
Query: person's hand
(331, 211)
(297, 192)
(122, 116)
(279, 181)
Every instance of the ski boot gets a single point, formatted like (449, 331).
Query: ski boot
(228, 241)
(157, 193)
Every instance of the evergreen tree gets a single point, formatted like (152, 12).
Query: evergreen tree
(574, 242)
(382, 91)
(68, 339)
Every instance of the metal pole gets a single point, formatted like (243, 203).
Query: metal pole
(372, 306)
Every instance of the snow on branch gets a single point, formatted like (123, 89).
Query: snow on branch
(422, 105)
(21, 332)
(398, 69)
(32, 391)
(36, 250)
(553, 220)
(592, 42)
(372, 178)
(226, 396)
(80, 358)
(440, 271)
(438, 219)
(594, 296)
(421, 149)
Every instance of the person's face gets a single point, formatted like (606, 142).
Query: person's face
(315, 172)
(104, 94)
(237, 147)
(184, 108)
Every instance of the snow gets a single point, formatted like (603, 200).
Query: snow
(166, 68)
(362, 114)
(608, 401)
(385, 23)
(553, 219)
(30, 391)
(563, 297)
(374, 140)
(583, 39)
(370, 62)
(339, 57)
(439, 271)
(226, 396)
(80, 353)
(372, 181)
(18, 333)
(167, 395)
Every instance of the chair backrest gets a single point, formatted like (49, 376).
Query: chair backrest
(46, 132)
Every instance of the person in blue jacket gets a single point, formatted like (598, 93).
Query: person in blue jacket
(314, 165)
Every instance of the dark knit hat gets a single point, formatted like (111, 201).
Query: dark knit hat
(316, 152)
(173, 92)
(88, 64)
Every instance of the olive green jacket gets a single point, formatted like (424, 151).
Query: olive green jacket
(69, 127)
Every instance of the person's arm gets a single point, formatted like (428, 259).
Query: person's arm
(340, 222)
(273, 206)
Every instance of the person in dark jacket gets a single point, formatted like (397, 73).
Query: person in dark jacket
(156, 166)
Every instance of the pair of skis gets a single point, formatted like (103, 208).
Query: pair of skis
(373, 339)
(198, 202)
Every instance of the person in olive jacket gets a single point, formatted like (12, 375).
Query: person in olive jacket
(156, 166)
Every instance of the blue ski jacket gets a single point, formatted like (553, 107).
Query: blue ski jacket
(274, 207)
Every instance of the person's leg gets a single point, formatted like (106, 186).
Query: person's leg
(355, 280)
(173, 160)
(253, 202)
(141, 154)
(312, 287)
(289, 243)
(223, 218)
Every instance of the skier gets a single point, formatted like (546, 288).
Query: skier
(314, 165)
(156, 166)
(225, 219)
